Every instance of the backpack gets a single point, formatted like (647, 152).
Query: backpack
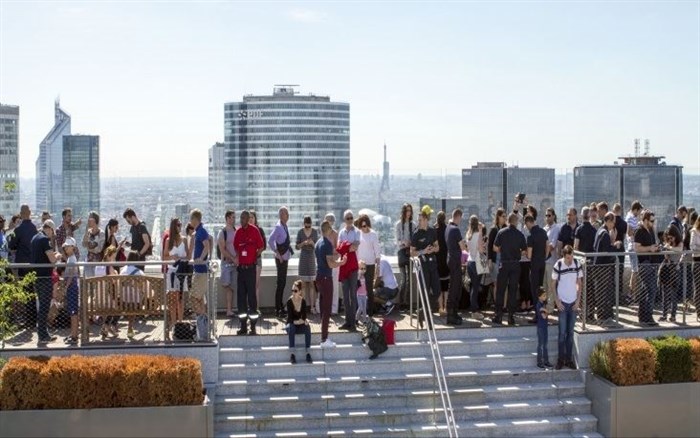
(577, 266)
(184, 331)
(218, 250)
(374, 336)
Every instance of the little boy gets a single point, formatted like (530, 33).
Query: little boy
(72, 292)
(542, 338)
(361, 314)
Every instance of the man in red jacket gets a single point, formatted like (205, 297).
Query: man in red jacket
(248, 244)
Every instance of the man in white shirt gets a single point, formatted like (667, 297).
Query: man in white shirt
(552, 228)
(567, 274)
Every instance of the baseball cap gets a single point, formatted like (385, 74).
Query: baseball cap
(426, 210)
(49, 223)
(69, 242)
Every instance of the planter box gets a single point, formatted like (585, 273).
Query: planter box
(165, 421)
(668, 410)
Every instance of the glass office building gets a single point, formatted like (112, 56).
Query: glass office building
(287, 149)
(49, 164)
(488, 186)
(81, 174)
(657, 186)
(9, 160)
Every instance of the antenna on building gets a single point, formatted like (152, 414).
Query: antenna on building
(646, 146)
(636, 147)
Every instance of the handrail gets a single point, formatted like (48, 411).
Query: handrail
(624, 253)
(440, 378)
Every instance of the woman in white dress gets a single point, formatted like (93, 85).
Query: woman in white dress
(176, 250)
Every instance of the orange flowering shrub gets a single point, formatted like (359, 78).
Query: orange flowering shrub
(632, 362)
(85, 382)
(695, 357)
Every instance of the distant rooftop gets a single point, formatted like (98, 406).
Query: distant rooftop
(286, 93)
(10, 110)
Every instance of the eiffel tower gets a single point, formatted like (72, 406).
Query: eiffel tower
(384, 188)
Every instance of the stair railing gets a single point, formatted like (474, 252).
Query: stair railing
(440, 378)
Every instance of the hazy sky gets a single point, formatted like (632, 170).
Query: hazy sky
(445, 84)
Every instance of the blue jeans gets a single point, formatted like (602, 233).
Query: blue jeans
(647, 298)
(567, 318)
(475, 285)
(297, 330)
(542, 339)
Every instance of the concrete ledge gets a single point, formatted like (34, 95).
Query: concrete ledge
(164, 421)
(669, 410)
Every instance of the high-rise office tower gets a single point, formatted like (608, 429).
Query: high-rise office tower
(643, 177)
(49, 165)
(287, 149)
(182, 212)
(9, 160)
(384, 188)
(80, 175)
(488, 186)
(216, 204)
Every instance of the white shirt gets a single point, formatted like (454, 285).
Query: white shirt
(553, 237)
(694, 240)
(387, 274)
(369, 250)
(177, 253)
(633, 224)
(567, 277)
(473, 246)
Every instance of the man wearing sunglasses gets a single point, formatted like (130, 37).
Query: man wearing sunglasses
(645, 245)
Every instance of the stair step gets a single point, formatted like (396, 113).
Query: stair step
(360, 367)
(574, 425)
(407, 381)
(358, 417)
(394, 398)
(267, 353)
(399, 335)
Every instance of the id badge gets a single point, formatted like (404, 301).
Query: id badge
(244, 253)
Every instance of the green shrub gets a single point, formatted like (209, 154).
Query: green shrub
(673, 359)
(599, 360)
(632, 362)
(79, 382)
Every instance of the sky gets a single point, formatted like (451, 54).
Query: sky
(445, 84)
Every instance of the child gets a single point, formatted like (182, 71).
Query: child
(542, 338)
(361, 314)
(72, 292)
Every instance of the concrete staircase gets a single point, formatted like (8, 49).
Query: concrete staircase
(495, 387)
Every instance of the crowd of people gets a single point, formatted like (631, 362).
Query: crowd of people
(514, 266)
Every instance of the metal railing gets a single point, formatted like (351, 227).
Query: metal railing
(653, 287)
(103, 302)
(440, 379)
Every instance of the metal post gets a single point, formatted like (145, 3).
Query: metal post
(410, 292)
(84, 323)
(583, 295)
(684, 273)
(166, 323)
(617, 290)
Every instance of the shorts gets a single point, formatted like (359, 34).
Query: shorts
(229, 275)
(200, 284)
(73, 298)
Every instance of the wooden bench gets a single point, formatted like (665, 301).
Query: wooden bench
(123, 295)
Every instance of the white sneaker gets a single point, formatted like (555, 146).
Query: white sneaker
(477, 315)
(328, 343)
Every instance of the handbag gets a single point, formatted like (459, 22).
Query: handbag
(482, 265)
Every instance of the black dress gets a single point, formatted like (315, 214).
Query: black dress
(443, 270)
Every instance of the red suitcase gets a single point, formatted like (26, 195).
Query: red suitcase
(388, 326)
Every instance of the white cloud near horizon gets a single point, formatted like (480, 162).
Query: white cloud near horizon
(307, 16)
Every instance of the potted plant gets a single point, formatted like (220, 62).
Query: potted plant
(646, 387)
(100, 396)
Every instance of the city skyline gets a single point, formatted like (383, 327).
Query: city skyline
(513, 82)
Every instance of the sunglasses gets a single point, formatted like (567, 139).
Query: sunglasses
(348, 218)
(652, 220)
(548, 215)
(365, 226)
(296, 290)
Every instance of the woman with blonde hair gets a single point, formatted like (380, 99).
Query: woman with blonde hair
(177, 251)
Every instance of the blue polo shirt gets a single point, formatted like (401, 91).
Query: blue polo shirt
(200, 236)
(323, 248)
